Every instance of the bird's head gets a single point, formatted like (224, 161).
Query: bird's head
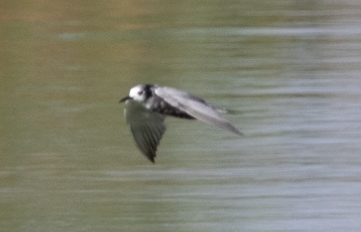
(139, 93)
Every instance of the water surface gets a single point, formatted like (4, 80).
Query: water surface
(290, 68)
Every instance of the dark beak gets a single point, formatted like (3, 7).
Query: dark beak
(124, 99)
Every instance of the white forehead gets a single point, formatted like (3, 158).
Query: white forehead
(135, 90)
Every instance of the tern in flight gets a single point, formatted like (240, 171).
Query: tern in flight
(147, 105)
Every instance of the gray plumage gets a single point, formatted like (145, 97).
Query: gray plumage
(146, 108)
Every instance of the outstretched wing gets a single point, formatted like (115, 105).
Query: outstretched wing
(146, 126)
(195, 107)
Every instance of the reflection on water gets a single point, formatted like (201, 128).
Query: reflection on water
(291, 69)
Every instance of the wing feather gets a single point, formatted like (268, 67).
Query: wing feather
(195, 107)
(146, 126)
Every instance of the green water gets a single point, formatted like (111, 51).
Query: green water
(290, 68)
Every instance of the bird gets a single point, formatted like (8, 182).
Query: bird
(147, 106)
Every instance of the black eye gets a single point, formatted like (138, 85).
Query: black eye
(140, 92)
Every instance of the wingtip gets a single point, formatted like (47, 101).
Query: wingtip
(237, 132)
(151, 159)
(233, 129)
(240, 134)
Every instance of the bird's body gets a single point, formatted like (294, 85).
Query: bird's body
(146, 108)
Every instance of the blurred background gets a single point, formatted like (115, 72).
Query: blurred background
(290, 68)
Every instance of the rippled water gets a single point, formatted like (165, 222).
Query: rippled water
(290, 68)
